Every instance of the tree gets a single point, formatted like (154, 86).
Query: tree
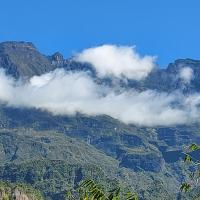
(194, 174)
(89, 190)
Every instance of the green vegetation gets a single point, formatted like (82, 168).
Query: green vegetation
(11, 191)
(52, 177)
(193, 161)
(52, 161)
(89, 190)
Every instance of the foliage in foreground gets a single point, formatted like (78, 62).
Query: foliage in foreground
(194, 175)
(89, 190)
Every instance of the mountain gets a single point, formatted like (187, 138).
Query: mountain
(54, 153)
(168, 79)
(21, 59)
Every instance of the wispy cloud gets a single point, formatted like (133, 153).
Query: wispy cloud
(65, 93)
(118, 61)
(186, 74)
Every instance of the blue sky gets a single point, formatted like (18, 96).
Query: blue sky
(169, 29)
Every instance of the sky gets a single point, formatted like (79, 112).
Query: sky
(166, 29)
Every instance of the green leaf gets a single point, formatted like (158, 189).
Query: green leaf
(94, 191)
(69, 194)
(193, 147)
(188, 158)
(185, 187)
(131, 196)
(114, 194)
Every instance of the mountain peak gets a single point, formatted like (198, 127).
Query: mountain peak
(186, 61)
(57, 57)
(178, 64)
(23, 59)
(17, 45)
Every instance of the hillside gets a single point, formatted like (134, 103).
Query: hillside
(54, 152)
(19, 192)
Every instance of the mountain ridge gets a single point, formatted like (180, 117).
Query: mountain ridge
(35, 145)
(58, 58)
(23, 60)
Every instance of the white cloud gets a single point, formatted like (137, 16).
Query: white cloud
(119, 61)
(186, 74)
(62, 93)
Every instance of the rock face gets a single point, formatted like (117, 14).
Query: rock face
(12, 192)
(19, 195)
(23, 59)
(169, 79)
(57, 58)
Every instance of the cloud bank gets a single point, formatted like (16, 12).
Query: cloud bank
(118, 61)
(66, 93)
